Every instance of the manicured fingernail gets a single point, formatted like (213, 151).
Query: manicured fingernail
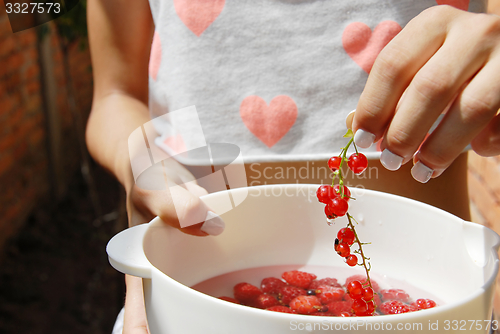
(364, 139)
(348, 119)
(421, 172)
(213, 225)
(390, 160)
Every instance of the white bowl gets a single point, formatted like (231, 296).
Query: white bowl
(284, 225)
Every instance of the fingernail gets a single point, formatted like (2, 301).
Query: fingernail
(364, 139)
(213, 225)
(348, 119)
(421, 172)
(390, 160)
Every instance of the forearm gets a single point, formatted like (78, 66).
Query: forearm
(112, 120)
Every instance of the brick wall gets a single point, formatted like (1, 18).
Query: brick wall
(484, 192)
(27, 165)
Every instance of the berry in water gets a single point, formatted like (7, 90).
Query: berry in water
(287, 293)
(246, 293)
(297, 278)
(423, 304)
(395, 294)
(328, 294)
(271, 285)
(306, 304)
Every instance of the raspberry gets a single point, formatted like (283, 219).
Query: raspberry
(423, 304)
(325, 281)
(336, 308)
(299, 279)
(280, 308)
(229, 299)
(265, 301)
(396, 307)
(287, 293)
(362, 279)
(271, 285)
(246, 293)
(395, 294)
(328, 294)
(306, 304)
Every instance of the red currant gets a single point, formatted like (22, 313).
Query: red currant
(343, 250)
(328, 213)
(352, 260)
(338, 206)
(325, 193)
(355, 289)
(347, 192)
(346, 235)
(359, 307)
(334, 163)
(367, 294)
(357, 163)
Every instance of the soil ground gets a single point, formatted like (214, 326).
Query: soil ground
(54, 274)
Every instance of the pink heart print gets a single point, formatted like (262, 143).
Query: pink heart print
(155, 56)
(363, 45)
(460, 4)
(198, 15)
(270, 122)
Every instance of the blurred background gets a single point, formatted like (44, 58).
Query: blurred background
(58, 208)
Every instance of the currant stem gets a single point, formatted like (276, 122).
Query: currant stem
(351, 226)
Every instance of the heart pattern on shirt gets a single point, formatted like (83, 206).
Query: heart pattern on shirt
(198, 15)
(460, 4)
(363, 45)
(270, 122)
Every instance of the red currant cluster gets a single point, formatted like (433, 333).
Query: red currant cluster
(336, 198)
(363, 299)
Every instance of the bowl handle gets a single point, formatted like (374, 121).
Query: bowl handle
(126, 253)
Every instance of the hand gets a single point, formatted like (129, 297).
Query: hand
(179, 206)
(445, 61)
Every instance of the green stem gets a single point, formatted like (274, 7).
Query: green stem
(351, 225)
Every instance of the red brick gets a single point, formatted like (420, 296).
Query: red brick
(6, 162)
(27, 37)
(32, 87)
(32, 72)
(7, 141)
(7, 103)
(7, 45)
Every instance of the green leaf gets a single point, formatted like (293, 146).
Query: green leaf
(349, 134)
